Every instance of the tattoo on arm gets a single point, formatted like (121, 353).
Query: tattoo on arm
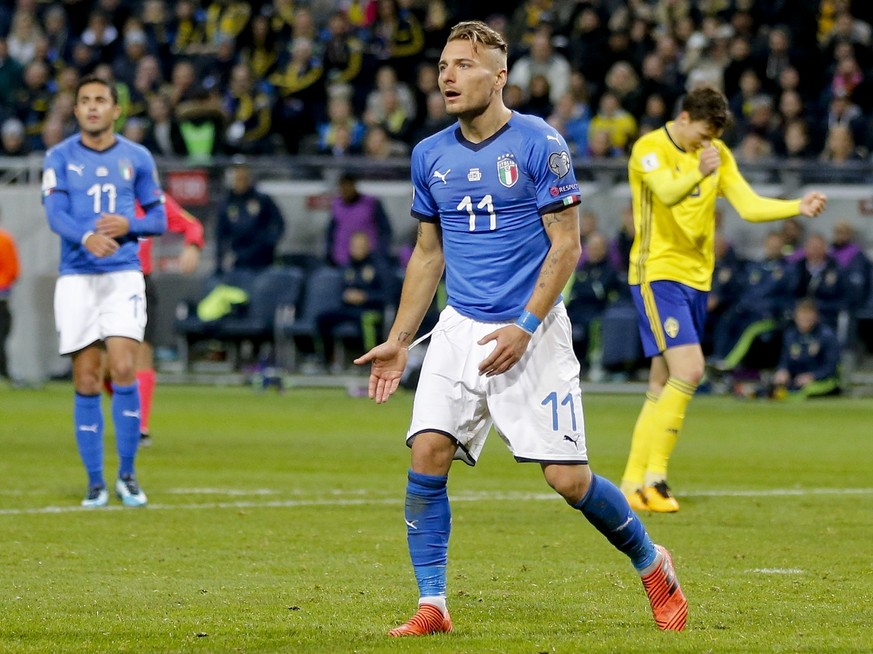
(404, 337)
(551, 219)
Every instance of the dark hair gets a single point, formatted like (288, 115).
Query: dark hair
(708, 105)
(93, 79)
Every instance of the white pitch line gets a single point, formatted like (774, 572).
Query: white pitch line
(777, 571)
(341, 498)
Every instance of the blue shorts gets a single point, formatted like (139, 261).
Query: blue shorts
(670, 314)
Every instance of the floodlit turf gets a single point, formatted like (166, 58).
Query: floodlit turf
(276, 525)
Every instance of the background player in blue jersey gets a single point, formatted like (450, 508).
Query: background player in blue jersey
(496, 199)
(91, 183)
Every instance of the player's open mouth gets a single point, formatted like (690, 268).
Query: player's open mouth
(452, 94)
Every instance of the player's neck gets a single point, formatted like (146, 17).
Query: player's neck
(485, 125)
(674, 130)
(99, 141)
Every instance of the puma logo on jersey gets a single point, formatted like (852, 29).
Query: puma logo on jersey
(442, 176)
(91, 428)
(76, 168)
(549, 137)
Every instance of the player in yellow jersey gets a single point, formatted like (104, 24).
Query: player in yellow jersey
(676, 174)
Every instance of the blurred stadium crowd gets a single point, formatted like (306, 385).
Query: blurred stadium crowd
(222, 77)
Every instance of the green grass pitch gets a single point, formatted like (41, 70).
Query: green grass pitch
(276, 525)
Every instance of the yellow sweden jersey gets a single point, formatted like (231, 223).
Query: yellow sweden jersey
(674, 210)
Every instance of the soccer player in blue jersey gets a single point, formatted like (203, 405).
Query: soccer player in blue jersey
(676, 174)
(90, 185)
(496, 199)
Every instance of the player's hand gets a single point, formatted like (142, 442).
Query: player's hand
(112, 225)
(511, 345)
(710, 160)
(388, 362)
(812, 204)
(188, 259)
(101, 246)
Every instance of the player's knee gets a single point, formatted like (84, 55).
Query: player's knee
(432, 453)
(569, 481)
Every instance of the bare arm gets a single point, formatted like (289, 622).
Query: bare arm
(562, 228)
(423, 275)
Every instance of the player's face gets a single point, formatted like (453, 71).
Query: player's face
(470, 80)
(697, 134)
(95, 109)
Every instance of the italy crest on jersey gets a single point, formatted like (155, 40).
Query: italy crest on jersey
(507, 171)
(125, 167)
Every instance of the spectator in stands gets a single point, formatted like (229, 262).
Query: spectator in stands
(611, 118)
(225, 21)
(596, 283)
(124, 66)
(761, 310)
(11, 75)
(366, 287)
(542, 60)
(588, 38)
(163, 137)
(793, 235)
(12, 139)
(623, 81)
(572, 122)
(249, 225)
(620, 247)
(387, 81)
(379, 145)
(727, 288)
(101, 36)
(655, 114)
(301, 94)
(398, 37)
(353, 212)
(538, 102)
(600, 146)
(189, 34)
(820, 278)
(344, 56)
(250, 114)
(840, 146)
(391, 114)
(809, 364)
(57, 34)
(52, 133)
(34, 100)
(851, 258)
(23, 36)
(258, 48)
(341, 118)
(435, 118)
(795, 143)
(147, 82)
(202, 122)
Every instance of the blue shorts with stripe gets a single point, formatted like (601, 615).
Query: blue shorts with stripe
(670, 314)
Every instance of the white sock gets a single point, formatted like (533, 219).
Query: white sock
(438, 601)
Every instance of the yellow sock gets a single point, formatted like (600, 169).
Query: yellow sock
(668, 416)
(641, 443)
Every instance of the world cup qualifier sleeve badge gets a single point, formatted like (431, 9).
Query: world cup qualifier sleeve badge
(507, 171)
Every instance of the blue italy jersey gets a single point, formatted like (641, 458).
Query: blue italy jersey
(79, 184)
(488, 199)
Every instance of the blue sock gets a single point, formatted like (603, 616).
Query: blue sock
(88, 419)
(125, 415)
(428, 524)
(606, 508)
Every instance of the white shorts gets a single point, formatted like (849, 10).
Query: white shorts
(90, 308)
(536, 406)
